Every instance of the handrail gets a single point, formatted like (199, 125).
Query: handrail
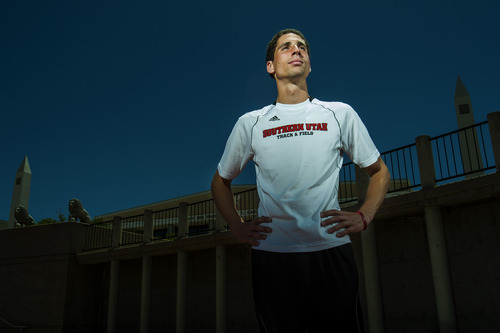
(461, 153)
(98, 236)
(20, 327)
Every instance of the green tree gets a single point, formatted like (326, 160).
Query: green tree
(97, 220)
(47, 220)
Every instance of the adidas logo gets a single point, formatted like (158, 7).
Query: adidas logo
(275, 118)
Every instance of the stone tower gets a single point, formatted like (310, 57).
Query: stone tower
(469, 144)
(21, 193)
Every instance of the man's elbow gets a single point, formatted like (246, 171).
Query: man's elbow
(386, 177)
(378, 168)
(218, 182)
(386, 173)
(215, 182)
(380, 172)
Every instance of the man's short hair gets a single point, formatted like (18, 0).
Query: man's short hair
(271, 46)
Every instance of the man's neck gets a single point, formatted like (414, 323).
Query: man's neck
(291, 93)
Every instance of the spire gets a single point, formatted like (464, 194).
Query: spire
(463, 106)
(25, 166)
(469, 143)
(460, 90)
(21, 192)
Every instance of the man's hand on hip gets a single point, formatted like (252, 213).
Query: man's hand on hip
(337, 219)
(251, 232)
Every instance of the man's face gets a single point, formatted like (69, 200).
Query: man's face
(291, 59)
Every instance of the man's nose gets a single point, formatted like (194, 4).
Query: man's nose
(295, 49)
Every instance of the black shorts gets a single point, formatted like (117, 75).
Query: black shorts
(307, 292)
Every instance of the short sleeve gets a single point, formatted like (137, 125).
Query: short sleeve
(238, 150)
(357, 141)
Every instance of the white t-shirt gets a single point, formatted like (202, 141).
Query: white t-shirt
(297, 151)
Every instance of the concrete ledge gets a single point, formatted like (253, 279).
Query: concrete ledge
(157, 248)
(42, 240)
(461, 192)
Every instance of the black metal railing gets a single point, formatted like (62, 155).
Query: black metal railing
(165, 224)
(98, 236)
(463, 153)
(247, 203)
(403, 167)
(132, 229)
(201, 217)
(347, 184)
(458, 154)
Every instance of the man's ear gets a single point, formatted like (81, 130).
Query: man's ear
(270, 67)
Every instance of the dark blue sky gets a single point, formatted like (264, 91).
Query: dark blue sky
(124, 103)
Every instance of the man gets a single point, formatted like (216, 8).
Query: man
(304, 273)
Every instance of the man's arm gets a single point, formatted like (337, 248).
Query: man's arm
(375, 195)
(380, 179)
(246, 232)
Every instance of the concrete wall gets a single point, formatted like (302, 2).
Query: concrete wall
(471, 225)
(201, 310)
(47, 284)
(473, 239)
(163, 299)
(42, 285)
(406, 276)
